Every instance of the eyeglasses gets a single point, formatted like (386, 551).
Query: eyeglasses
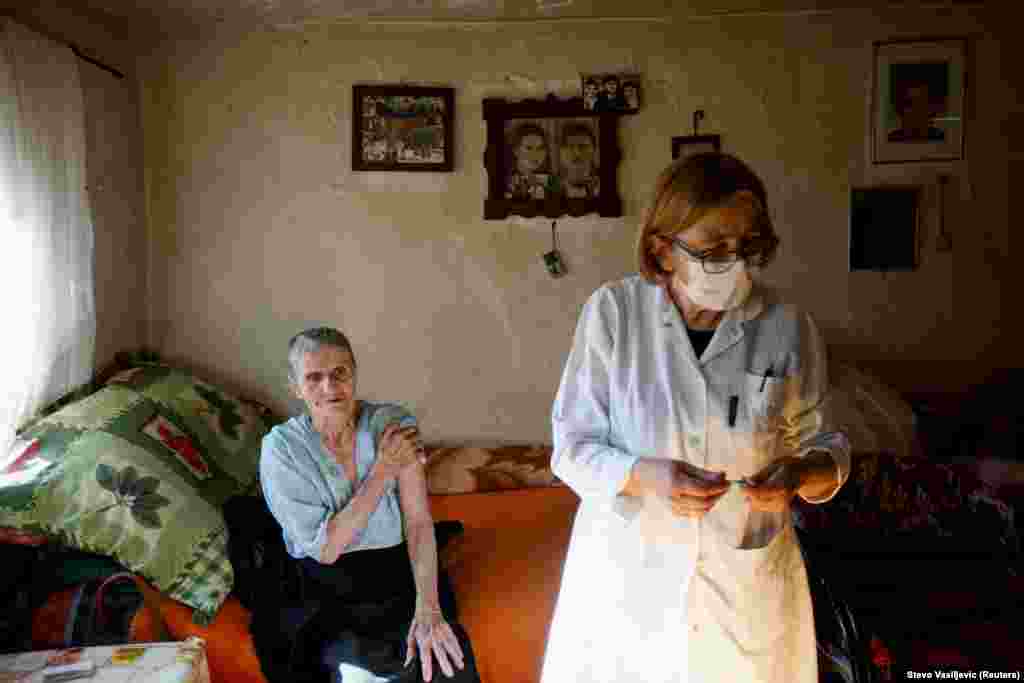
(753, 251)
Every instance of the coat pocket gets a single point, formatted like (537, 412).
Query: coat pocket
(766, 580)
(763, 397)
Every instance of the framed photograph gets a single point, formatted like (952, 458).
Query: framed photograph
(919, 98)
(884, 228)
(685, 145)
(610, 92)
(550, 158)
(402, 128)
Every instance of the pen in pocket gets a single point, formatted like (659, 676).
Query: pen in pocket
(734, 404)
(770, 372)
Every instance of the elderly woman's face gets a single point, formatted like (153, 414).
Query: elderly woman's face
(327, 382)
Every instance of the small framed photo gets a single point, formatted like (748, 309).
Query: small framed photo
(884, 229)
(919, 98)
(610, 92)
(686, 145)
(402, 128)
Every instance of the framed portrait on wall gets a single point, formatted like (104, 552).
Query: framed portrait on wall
(884, 230)
(402, 128)
(919, 98)
(547, 158)
(550, 158)
(603, 92)
(687, 145)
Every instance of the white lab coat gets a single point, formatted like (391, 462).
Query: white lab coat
(649, 596)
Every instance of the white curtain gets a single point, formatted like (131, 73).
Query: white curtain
(47, 308)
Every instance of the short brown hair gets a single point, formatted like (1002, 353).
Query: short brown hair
(687, 190)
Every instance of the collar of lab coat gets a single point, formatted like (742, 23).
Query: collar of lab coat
(730, 328)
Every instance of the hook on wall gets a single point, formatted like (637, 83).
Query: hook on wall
(698, 116)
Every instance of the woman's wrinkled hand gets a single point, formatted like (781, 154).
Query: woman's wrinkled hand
(771, 489)
(690, 490)
(430, 637)
(399, 447)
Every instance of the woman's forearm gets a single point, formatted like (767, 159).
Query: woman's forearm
(423, 556)
(345, 525)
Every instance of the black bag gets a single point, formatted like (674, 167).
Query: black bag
(841, 640)
(263, 568)
(16, 595)
(99, 611)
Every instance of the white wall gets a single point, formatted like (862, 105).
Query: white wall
(259, 227)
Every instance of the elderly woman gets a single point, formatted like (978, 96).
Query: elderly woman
(691, 410)
(346, 483)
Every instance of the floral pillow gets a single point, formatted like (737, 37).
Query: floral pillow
(138, 471)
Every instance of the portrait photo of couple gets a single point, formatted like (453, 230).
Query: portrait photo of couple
(552, 157)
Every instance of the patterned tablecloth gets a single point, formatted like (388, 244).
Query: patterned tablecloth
(183, 662)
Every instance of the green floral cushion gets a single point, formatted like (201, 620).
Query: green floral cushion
(138, 471)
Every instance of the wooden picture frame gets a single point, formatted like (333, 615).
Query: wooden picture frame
(611, 92)
(403, 128)
(692, 144)
(919, 100)
(550, 158)
(885, 228)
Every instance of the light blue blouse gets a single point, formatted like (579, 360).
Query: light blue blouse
(304, 485)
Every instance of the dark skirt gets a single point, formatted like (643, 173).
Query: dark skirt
(368, 599)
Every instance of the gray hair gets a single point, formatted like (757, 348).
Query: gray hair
(310, 341)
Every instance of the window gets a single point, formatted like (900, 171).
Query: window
(46, 239)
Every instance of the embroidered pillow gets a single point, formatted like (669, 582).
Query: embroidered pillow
(138, 471)
(466, 469)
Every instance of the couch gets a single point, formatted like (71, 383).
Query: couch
(903, 521)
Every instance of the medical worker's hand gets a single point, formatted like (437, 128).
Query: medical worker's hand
(692, 491)
(813, 476)
(771, 489)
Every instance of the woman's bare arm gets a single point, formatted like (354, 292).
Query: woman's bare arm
(430, 636)
(398, 449)
(419, 531)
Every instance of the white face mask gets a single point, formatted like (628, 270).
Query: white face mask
(717, 291)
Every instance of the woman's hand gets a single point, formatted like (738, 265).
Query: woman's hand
(771, 489)
(691, 491)
(399, 447)
(431, 637)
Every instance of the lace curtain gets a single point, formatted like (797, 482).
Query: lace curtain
(48, 316)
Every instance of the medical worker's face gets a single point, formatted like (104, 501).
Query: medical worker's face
(719, 230)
